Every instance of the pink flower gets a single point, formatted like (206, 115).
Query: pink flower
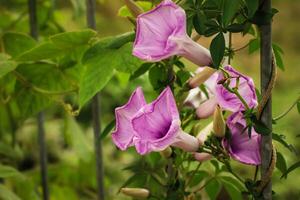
(246, 88)
(205, 107)
(161, 33)
(151, 127)
(240, 147)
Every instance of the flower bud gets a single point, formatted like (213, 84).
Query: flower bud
(136, 192)
(201, 77)
(166, 153)
(201, 157)
(204, 133)
(134, 9)
(219, 125)
(206, 109)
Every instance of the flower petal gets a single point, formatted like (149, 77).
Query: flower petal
(157, 124)
(240, 146)
(124, 133)
(154, 29)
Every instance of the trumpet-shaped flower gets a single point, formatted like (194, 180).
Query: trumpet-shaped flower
(205, 103)
(246, 88)
(152, 127)
(240, 147)
(161, 33)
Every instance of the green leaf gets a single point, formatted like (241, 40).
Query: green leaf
(254, 45)
(6, 194)
(124, 12)
(69, 40)
(278, 56)
(217, 49)
(7, 172)
(213, 188)
(158, 76)
(45, 50)
(229, 10)
(108, 129)
(17, 43)
(98, 71)
(232, 190)
(281, 163)
(290, 169)
(281, 139)
(252, 6)
(236, 28)
(127, 62)
(40, 82)
(298, 106)
(260, 127)
(199, 23)
(141, 70)
(198, 177)
(6, 66)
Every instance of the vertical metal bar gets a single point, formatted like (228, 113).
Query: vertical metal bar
(91, 22)
(266, 73)
(40, 118)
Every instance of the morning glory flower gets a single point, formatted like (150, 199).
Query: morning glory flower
(240, 147)
(204, 104)
(151, 127)
(161, 33)
(229, 101)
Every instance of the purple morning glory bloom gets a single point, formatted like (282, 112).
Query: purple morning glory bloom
(205, 107)
(161, 33)
(246, 88)
(124, 133)
(151, 127)
(240, 147)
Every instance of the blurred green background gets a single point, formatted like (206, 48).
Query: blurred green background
(70, 140)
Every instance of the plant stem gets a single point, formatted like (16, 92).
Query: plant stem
(91, 22)
(287, 111)
(266, 76)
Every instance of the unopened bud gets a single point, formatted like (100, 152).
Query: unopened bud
(204, 133)
(134, 9)
(219, 125)
(201, 77)
(136, 192)
(166, 153)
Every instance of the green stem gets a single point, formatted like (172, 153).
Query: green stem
(193, 174)
(287, 111)
(255, 173)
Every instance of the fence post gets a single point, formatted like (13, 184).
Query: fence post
(266, 73)
(40, 118)
(91, 22)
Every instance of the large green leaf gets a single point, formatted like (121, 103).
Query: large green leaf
(68, 40)
(213, 188)
(17, 43)
(233, 191)
(217, 49)
(98, 71)
(38, 84)
(252, 6)
(6, 65)
(229, 10)
(7, 172)
(100, 62)
(6, 194)
(45, 50)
